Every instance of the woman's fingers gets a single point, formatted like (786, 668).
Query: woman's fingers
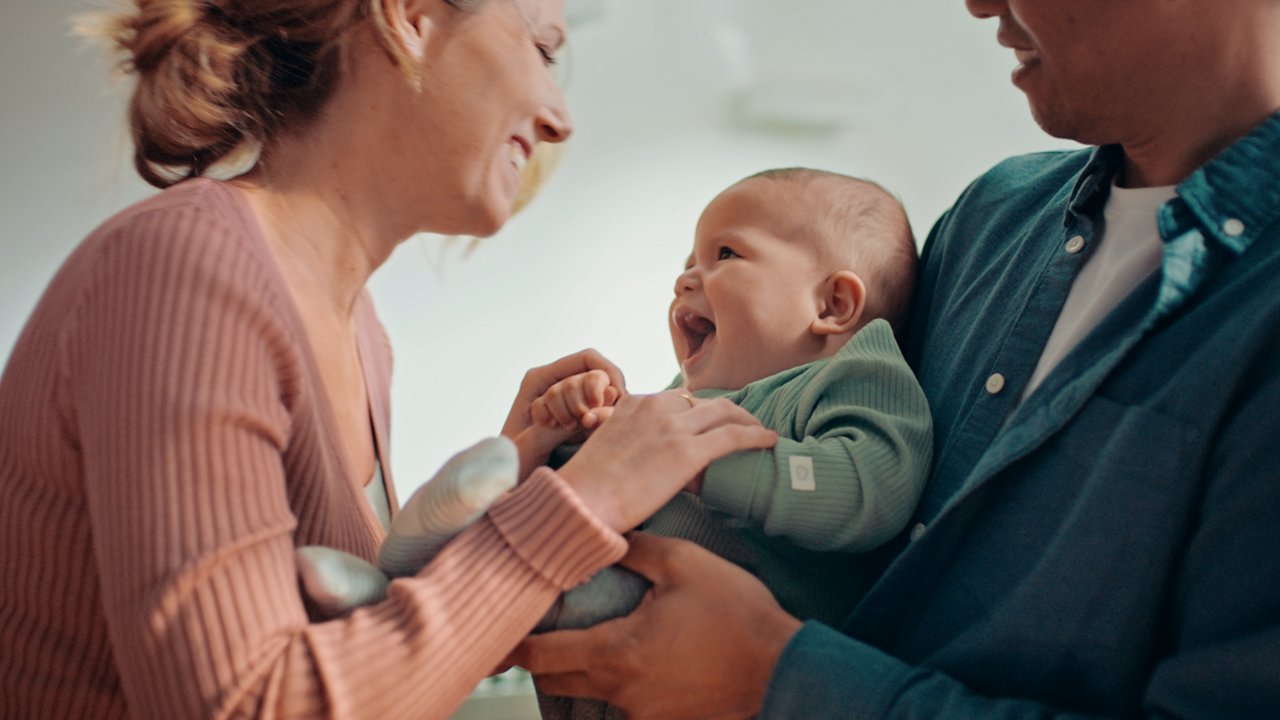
(724, 439)
(652, 447)
(706, 414)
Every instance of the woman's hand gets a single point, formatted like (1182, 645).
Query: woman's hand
(652, 446)
(702, 644)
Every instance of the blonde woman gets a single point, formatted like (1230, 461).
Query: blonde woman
(204, 385)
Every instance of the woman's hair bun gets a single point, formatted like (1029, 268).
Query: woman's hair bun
(217, 78)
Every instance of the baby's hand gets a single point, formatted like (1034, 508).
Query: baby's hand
(568, 411)
(579, 402)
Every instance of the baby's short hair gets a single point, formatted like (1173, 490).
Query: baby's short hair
(860, 226)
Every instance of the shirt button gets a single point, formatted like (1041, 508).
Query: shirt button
(1233, 227)
(1075, 244)
(995, 383)
(917, 532)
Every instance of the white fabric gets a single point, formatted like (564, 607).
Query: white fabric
(1123, 256)
(376, 493)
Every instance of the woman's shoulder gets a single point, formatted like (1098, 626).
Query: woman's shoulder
(195, 240)
(197, 210)
(199, 227)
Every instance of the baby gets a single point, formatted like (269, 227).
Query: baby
(787, 306)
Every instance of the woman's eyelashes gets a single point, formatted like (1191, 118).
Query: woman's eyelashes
(548, 55)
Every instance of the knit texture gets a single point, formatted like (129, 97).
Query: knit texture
(165, 444)
(854, 450)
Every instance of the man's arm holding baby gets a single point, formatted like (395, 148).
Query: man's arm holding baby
(853, 479)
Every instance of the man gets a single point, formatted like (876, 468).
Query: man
(1098, 335)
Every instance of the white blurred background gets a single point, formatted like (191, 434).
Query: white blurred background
(673, 100)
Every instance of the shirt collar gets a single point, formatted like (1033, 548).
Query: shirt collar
(1235, 197)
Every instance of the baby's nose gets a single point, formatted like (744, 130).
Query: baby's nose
(686, 281)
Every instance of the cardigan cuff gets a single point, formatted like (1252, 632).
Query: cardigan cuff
(549, 528)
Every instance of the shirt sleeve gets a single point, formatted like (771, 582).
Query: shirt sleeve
(824, 674)
(852, 478)
(181, 379)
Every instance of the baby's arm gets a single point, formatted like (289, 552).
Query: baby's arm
(851, 480)
(566, 412)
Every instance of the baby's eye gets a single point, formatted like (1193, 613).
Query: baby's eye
(548, 55)
(726, 252)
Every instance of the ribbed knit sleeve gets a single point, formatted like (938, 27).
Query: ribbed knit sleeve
(853, 455)
(183, 379)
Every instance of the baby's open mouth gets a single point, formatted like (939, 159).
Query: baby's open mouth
(696, 329)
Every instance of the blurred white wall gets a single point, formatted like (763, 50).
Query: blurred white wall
(921, 88)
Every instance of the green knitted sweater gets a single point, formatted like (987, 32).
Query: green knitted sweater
(854, 450)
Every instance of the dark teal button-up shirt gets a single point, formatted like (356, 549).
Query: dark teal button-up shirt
(1111, 545)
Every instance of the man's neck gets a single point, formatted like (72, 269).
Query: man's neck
(1170, 160)
(1176, 141)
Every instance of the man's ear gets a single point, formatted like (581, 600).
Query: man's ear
(410, 22)
(841, 300)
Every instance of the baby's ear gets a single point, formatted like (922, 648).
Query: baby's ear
(841, 299)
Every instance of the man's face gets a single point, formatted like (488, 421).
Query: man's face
(1096, 71)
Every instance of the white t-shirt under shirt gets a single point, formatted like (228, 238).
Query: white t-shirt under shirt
(1128, 250)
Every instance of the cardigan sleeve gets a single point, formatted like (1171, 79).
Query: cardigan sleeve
(181, 376)
(847, 473)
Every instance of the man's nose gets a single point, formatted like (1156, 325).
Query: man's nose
(983, 9)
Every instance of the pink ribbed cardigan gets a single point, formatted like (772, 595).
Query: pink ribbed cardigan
(165, 444)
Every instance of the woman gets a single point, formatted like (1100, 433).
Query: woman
(204, 385)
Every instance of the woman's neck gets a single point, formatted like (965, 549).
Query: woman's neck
(323, 247)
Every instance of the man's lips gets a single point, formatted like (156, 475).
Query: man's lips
(1023, 52)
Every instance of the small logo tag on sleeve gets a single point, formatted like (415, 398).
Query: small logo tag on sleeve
(802, 473)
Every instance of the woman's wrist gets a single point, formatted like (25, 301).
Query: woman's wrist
(601, 504)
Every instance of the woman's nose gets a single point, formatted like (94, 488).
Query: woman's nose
(554, 124)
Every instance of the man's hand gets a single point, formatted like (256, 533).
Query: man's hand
(702, 644)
